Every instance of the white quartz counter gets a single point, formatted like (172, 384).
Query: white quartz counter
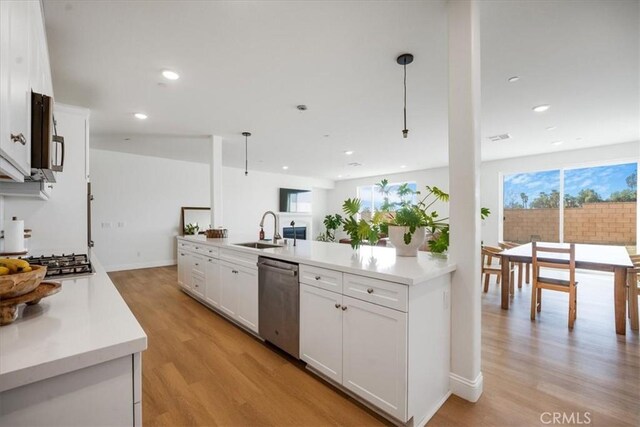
(376, 262)
(86, 323)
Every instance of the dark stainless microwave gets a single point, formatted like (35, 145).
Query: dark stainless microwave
(47, 147)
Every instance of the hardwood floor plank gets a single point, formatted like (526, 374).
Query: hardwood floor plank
(202, 370)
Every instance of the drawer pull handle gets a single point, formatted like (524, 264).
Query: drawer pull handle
(370, 290)
(19, 138)
(210, 260)
(337, 305)
(318, 277)
(344, 308)
(197, 263)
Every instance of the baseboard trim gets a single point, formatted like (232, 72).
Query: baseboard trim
(139, 265)
(464, 388)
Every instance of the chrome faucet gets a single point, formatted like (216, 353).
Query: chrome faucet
(276, 225)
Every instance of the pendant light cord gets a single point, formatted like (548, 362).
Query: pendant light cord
(246, 156)
(405, 95)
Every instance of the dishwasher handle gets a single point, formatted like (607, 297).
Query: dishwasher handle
(286, 272)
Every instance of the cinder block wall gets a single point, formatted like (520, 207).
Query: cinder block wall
(604, 223)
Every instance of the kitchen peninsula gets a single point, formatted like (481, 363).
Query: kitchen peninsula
(374, 325)
(73, 359)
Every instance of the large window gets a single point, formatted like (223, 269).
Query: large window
(376, 197)
(599, 205)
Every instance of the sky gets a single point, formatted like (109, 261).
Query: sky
(603, 179)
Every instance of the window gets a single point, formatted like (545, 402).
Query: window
(599, 205)
(375, 198)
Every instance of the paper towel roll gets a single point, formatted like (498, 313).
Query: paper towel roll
(14, 235)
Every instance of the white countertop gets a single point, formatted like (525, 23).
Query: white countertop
(376, 262)
(86, 323)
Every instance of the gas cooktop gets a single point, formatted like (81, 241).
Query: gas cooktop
(64, 266)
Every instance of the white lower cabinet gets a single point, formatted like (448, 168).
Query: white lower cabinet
(198, 283)
(321, 331)
(212, 282)
(247, 292)
(184, 269)
(239, 293)
(361, 345)
(374, 354)
(228, 294)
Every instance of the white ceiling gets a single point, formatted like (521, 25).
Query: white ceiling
(246, 65)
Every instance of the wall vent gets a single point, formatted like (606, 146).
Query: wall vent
(501, 137)
(354, 164)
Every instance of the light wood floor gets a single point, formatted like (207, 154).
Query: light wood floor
(201, 370)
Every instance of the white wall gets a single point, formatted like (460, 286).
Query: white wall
(490, 176)
(145, 194)
(246, 198)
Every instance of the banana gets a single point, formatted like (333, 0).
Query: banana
(14, 265)
(4, 271)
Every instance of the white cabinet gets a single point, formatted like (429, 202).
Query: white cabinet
(184, 269)
(15, 88)
(239, 294)
(321, 331)
(228, 294)
(197, 283)
(212, 282)
(375, 354)
(247, 292)
(24, 66)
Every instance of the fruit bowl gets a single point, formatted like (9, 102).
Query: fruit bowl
(14, 285)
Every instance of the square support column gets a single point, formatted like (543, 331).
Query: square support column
(216, 181)
(464, 187)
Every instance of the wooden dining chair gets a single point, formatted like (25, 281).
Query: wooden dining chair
(541, 282)
(633, 291)
(492, 264)
(520, 265)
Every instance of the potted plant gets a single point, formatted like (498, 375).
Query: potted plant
(191, 229)
(331, 223)
(407, 226)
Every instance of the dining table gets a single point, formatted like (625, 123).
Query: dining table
(607, 258)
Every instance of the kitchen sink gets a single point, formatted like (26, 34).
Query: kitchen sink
(258, 245)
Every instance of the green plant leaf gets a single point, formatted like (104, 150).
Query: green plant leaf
(351, 206)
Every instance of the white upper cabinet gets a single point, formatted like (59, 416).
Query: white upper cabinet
(24, 66)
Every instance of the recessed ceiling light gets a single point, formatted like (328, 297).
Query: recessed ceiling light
(141, 116)
(541, 108)
(552, 128)
(170, 75)
(348, 152)
(557, 142)
(513, 79)
(403, 166)
(339, 176)
(285, 167)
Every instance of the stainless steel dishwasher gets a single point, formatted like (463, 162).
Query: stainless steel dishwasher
(279, 304)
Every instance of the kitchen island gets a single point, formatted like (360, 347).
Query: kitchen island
(73, 359)
(374, 325)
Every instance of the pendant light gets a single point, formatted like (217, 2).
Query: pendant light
(404, 60)
(246, 152)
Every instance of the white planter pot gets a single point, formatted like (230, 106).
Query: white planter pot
(396, 236)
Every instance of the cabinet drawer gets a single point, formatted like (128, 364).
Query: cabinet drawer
(208, 251)
(185, 246)
(239, 258)
(381, 292)
(199, 264)
(330, 280)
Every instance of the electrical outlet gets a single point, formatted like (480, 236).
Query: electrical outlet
(138, 253)
(121, 225)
